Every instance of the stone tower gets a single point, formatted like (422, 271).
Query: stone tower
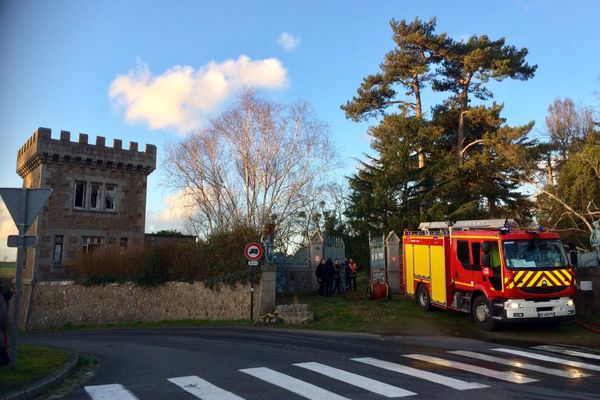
(98, 198)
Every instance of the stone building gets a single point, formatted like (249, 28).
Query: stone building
(98, 198)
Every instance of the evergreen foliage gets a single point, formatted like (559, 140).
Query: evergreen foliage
(455, 161)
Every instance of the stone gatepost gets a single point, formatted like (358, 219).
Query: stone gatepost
(317, 242)
(394, 262)
(266, 302)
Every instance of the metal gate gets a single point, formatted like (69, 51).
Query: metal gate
(378, 259)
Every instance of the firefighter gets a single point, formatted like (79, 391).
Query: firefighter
(352, 267)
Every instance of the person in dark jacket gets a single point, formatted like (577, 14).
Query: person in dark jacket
(320, 272)
(338, 276)
(329, 274)
(346, 275)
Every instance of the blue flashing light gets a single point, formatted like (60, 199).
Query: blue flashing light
(541, 229)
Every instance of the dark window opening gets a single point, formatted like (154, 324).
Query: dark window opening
(476, 253)
(58, 250)
(109, 199)
(462, 252)
(80, 194)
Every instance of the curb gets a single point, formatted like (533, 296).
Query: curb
(45, 383)
(590, 326)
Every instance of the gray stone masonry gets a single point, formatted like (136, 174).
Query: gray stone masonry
(64, 225)
(294, 313)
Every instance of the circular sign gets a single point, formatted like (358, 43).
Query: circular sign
(253, 251)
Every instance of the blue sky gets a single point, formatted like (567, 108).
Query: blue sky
(81, 65)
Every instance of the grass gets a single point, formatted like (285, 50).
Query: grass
(33, 363)
(7, 270)
(352, 312)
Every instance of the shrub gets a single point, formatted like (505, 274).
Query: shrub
(218, 260)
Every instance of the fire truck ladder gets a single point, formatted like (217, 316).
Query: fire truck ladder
(468, 225)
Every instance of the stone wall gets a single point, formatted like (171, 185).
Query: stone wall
(54, 304)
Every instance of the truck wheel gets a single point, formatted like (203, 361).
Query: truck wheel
(482, 314)
(423, 298)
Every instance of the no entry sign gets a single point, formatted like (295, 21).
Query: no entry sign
(253, 251)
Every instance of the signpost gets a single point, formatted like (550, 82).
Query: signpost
(23, 205)
(253, 252)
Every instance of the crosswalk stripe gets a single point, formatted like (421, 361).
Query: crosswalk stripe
(203, 389)
(294, 385)
(113, 391)
(551, 371)
(513, 377)
(562, 350)
(357, 380)
(425, 375)
(550, 359)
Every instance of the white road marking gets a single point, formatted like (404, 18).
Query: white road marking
(509, 376)
(556, 360)
(203, 389)
(417, 373)
(114, 391)
(567, 351)
(357, 380)
(573, 373)
(294, 385)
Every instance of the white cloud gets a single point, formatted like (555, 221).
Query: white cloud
(7, 227)
(177, 207)
(181, 96)
(288, 41)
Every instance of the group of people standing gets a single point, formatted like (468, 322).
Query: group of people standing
(330, 273)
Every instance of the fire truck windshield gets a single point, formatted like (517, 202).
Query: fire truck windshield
(534, 254)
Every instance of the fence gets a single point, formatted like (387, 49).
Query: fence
(296, 273)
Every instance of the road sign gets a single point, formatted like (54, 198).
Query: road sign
(253, 263)
(34, 199)
(253, 251)
(23, 205)
(21, 241)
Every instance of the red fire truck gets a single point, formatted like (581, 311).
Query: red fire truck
(489, 269)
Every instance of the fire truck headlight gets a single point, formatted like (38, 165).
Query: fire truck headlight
(514, 306)
(570, 303)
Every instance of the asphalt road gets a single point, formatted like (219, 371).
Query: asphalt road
(257, 363)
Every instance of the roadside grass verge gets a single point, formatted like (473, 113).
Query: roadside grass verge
(353, 312)
(33, 363)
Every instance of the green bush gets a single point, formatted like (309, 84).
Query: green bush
(218, 260)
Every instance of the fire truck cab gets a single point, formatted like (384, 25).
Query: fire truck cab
(489, 269)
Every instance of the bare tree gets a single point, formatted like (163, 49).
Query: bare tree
(256, 163)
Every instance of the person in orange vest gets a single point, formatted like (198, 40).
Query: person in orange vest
(352, 267)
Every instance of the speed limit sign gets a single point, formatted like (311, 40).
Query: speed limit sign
(253, 251)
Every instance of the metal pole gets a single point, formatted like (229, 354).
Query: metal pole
(18, 275)
(252, 294)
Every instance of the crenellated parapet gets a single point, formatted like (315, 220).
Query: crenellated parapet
(40, 148)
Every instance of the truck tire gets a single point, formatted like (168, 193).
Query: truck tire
(482, 314)
(423, 298)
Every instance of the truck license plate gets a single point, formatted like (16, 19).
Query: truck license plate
(546, 314)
